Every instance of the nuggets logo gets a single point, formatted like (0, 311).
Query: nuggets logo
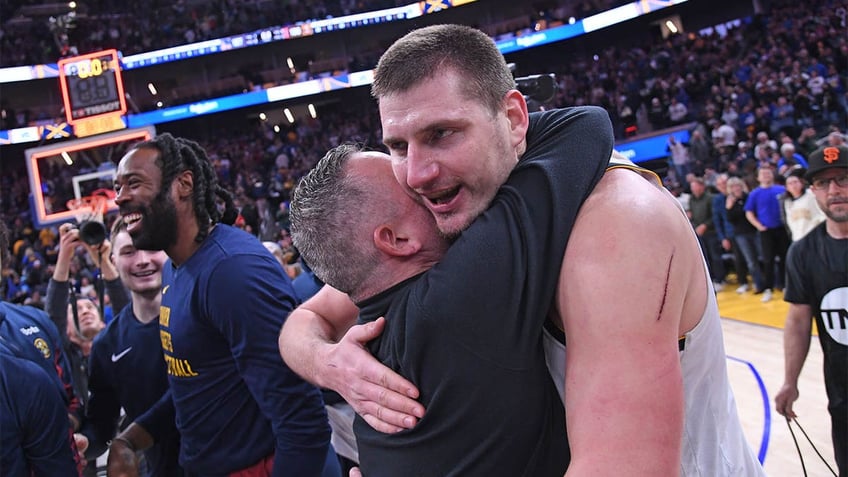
(831, 154)
(42, 346)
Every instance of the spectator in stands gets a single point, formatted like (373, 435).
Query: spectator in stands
(764, 144)
(836, 139)
(782, 116)
(700, 152)
(745, 248)
(763, 211)
(801, 213)
(80, 316)
(677, 112)
(701, 217)
(657, 114)
(679, 158)
(790, 160)
(721, 222)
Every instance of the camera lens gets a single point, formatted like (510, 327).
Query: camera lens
(92, 232)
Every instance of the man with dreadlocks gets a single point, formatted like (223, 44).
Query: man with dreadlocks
(239, 409)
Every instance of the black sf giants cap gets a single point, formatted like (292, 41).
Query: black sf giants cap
(826, 158)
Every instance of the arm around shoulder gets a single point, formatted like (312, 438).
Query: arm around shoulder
(321, 342)
(308, 331)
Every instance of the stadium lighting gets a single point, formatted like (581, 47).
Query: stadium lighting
(312, 111)
(67, 158)
(159, 104)
(289, 116)
(72, 5)
(671, 26)
(276, 128)
(263, 116)
(152, 89)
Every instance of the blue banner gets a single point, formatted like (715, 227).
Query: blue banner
(654, 147)
(553, 35)
(200, 108)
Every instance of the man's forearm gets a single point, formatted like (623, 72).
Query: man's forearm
(311, 330)
(303, 342)
(796, 344)
(56, 303)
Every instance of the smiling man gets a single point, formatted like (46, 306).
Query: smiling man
(238, 407)
(630, 291)
(127, 368)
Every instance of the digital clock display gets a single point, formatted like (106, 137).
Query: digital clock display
(92, 86)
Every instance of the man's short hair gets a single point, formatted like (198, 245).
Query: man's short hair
(117, 227)
(327, 208)
(425, 52)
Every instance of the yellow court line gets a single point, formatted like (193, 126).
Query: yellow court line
(748, 308)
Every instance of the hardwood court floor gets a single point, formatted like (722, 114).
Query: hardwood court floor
(753, 338)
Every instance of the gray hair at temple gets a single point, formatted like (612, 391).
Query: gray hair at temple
(425, 52)
(327, 208)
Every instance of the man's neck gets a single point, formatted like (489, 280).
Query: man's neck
(146, 306)
(837, 230)
(386, 276)
(185, 245)
(83, 344)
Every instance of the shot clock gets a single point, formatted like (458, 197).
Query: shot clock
(92, 89)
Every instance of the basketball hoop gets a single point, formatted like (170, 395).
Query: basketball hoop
(89, 214)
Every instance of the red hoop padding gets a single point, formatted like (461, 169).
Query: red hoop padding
(97, 202)
(94, 203)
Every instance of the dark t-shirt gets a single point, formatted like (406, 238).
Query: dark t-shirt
(817, 275)
(128, 371)
(34, 431)
(468, 332)
(28, 333)
(236, 401)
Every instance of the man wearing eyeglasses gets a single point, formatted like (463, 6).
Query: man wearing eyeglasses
(817, 288)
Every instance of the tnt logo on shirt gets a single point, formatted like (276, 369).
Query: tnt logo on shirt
(834, 314)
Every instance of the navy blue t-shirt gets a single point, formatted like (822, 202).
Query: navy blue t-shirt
(35, 437)
(236, 401)
(127, 371)
(30, 334)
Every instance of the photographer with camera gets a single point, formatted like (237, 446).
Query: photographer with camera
(81, 318)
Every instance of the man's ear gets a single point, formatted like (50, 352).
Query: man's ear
(184, 184)
(394, 244)
(518, 117)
